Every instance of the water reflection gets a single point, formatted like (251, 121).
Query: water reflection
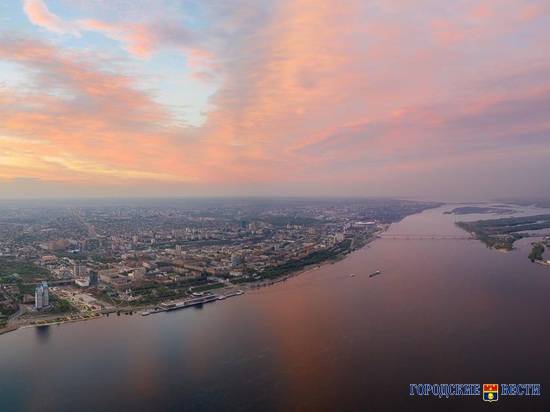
(42, 333)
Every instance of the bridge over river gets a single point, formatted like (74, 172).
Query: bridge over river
(405, 236)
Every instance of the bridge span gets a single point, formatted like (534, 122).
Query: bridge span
(405, 236)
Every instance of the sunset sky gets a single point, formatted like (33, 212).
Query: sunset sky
(420, 98)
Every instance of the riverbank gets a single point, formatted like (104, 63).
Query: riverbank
(55, 319)
(8, 329)
(309, 268)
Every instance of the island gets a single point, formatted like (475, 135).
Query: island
(542, 203)
(502, 233)
(468, 210)
(537, 252)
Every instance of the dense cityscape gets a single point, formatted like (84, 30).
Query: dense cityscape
(85, 259)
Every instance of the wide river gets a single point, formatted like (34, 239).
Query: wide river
(442, 311)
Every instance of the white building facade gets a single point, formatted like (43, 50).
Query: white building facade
(41, 296)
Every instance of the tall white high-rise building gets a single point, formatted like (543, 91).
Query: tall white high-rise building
(41, 296)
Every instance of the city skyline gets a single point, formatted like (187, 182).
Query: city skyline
(311, 98)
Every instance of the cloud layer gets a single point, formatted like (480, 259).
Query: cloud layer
(312, 97)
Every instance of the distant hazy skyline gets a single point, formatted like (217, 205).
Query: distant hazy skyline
(425, 99)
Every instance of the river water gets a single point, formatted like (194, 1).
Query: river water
(442, 311)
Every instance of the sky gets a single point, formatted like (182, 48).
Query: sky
(412, 98)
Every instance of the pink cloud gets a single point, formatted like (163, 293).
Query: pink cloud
(100, 126)
(39, 14)
(314, 91)
(138, 39)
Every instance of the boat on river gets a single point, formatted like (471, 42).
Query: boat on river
(373, 274)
